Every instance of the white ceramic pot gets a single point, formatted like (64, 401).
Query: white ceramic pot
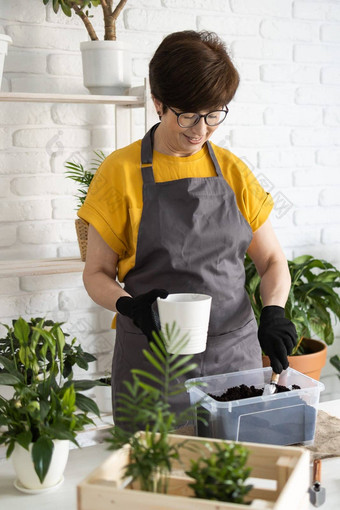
(106, 67)
(190, 312)
(5, 40)
(24, 468)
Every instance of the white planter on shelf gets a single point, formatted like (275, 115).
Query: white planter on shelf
(27, 479)
(5, 40)
(106, 67)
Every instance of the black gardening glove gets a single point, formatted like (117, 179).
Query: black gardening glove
(139, 309)
(277, 336)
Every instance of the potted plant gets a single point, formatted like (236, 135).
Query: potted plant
(145, 406)
(83, 176)
(106, 64)
(222, 476)
(312, 304)
(5, 40)
(46, 410)
(73, 353)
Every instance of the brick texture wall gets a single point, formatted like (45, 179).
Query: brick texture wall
(284, 122)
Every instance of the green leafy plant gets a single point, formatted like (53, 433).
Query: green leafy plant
(82, 9)
(78, 173)
(146, 406)
(313, 300)
(335, 361)
(222, 475)
(45, 406)
(73, 354)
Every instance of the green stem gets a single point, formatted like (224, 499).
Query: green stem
(296, 348)
(12, 349)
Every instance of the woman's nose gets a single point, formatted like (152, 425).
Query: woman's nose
(200, 127)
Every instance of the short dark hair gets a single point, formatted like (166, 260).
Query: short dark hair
(192, 71)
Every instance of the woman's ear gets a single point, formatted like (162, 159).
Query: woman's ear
(159, 106)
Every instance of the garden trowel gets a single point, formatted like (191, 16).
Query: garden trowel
(270, 388)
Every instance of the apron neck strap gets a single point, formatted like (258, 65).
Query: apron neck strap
(147, 154)
(214, 160)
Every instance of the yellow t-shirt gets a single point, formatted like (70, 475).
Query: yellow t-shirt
(114, 200)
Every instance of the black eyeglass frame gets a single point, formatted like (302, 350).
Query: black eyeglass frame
(199, 116)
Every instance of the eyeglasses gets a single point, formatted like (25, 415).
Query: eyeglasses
(188, 119)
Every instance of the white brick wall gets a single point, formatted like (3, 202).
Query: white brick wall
(284, 121)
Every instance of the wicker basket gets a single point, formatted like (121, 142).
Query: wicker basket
(82, 232)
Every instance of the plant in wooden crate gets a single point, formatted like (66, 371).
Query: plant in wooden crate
(223, 475)
(312, 302)
(145, 406)
(83, 176)
(46, 410)
(159, 462)
(99, 77)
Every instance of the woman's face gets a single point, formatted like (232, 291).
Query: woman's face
(174, 140)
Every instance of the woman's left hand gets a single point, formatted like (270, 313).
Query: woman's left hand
(277, 336)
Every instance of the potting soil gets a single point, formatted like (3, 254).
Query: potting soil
(282, 421)
(244, 391)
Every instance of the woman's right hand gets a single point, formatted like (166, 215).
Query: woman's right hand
(139, 309)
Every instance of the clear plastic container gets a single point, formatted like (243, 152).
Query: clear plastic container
(281, 419)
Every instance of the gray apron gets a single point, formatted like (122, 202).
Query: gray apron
(192, 238)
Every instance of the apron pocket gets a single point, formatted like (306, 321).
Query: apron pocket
(233, 351)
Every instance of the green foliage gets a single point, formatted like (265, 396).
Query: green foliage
(66, 5)
(25, 340)
(82, 8)
(145, 406)
(78, 173)
(45, 405)
(335, 361)
(222, 475)
(313, 299)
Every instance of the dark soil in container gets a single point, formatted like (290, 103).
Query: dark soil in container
(243, 391)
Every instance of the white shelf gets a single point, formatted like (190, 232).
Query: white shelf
(31, 97)
(137, 97)
(10, 268)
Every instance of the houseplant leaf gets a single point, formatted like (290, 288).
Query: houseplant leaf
(42, 451)
(86, 404)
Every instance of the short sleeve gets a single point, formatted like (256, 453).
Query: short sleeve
(257, 202)
(105, 208)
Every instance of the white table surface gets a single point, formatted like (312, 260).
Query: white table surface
(82, 461)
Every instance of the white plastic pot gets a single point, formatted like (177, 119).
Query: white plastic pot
(27, 478)
(106, 67)
(5, 40)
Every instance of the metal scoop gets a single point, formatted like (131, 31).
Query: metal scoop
(270, 388)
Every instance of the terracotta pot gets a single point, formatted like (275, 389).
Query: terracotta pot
(308, 364)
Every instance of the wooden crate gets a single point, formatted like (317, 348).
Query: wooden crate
(280, 476)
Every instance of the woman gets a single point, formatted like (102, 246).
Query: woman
(176, 212)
